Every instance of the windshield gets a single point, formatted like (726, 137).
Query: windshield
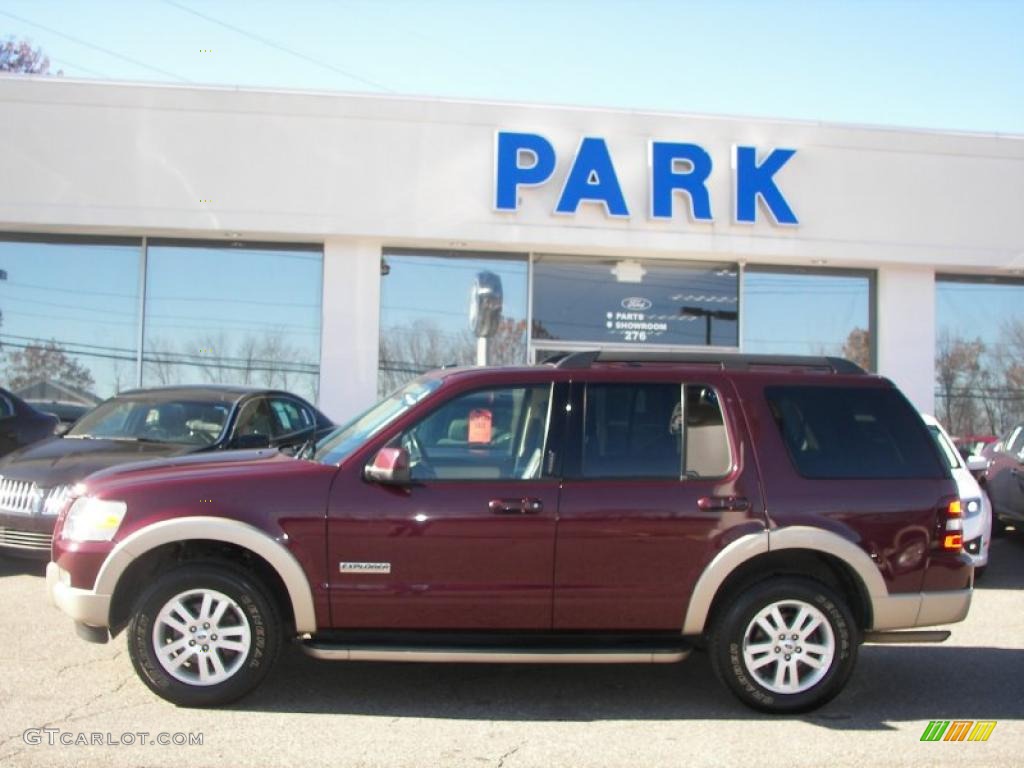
(187, 422)
(333, 448)
(946, 447)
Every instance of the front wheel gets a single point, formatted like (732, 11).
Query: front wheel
(204, 634)
(785, 645)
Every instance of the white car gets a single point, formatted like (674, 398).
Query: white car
(977, 509)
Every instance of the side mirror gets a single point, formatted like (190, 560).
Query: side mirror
(389, 467)
(244, 442)
(977, 463)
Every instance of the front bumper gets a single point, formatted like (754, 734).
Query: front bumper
(83, 605)
(26, 535)
(921, 609)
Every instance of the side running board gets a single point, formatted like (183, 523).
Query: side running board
(913, 636)
(469, 655)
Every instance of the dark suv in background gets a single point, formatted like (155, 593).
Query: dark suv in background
(600, 508)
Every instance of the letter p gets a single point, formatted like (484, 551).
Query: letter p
(520, 159)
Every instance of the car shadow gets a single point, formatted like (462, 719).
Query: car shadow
(890, 684)
(21, 566)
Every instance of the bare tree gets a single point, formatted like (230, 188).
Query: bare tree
(857, 348)
(406, 352)
(508, 344)
(40, 361)
(159, 362)
(959, 374)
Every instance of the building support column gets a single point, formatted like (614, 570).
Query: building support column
(906, 331)
(350, 330)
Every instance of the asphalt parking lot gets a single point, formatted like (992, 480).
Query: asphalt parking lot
(315, 713)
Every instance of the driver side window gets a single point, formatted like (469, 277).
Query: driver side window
(489, 434)
(255, 419)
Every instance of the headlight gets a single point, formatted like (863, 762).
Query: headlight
(92, 519)
(972, 507)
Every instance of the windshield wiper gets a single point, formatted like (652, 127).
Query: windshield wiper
(134, 439)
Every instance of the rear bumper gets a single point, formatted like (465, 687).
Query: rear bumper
(921, 609)
(82, 605)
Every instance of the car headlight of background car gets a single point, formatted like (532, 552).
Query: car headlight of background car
(91, 519)
(972, 507)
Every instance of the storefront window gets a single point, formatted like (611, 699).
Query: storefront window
(624, 302)
(241, 314)
(796, 311)
(979, 355)
(69, 314)
(425, 318)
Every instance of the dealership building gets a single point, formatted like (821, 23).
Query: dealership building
(332, 243)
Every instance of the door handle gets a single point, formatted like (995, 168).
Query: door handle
(723, 504)
(516, 506)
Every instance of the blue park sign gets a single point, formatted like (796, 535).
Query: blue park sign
(528, 160)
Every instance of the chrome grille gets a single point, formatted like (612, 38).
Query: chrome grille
(25, 539)
(19, 497)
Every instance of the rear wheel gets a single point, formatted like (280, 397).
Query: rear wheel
(786, 645)
(204, 635)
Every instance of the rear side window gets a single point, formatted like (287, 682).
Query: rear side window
(651, 431)
(853, 432)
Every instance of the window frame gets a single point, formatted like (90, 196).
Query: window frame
(772, 269)
(572, 469)
(552, 446)
(940, 460)
(302, 407)
(143, 244)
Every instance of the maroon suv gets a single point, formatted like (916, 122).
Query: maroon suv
(596, 509)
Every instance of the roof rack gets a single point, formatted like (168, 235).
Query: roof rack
(726, 360)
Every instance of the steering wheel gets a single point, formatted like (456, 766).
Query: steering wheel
(202, 437)
(154, 432)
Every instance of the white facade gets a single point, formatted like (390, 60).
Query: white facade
(361, 173)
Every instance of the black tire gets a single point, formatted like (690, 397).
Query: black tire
(726, 645)
(250, 606)
(979, 571)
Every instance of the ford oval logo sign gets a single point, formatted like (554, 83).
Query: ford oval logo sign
(636, 304)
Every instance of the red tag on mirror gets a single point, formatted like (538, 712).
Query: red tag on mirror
(480, 420)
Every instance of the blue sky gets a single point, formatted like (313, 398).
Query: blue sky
(951, 65)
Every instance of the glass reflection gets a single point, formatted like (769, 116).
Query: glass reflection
(70, 313)
(425, 320)
(233, 315)
(979, 355)
(800, 312)
(631, 302)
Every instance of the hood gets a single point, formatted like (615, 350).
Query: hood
(65, 461)
(188, 464)
(206, 468)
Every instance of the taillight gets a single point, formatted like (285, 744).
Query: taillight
(951, 525)
(954, 542)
